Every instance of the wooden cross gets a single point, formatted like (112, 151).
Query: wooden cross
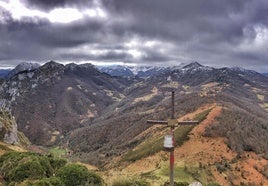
(172, 123)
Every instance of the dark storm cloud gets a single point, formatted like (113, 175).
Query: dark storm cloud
(21, 41)
(180, 13)
(213, 32)
(157, 58)
(51, 4)
(69, 35)
(183, 21)
(46, 4)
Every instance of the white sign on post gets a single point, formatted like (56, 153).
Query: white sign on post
(168, 142)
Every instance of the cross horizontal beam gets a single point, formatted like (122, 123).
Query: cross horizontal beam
(188, 122)
(155, 122)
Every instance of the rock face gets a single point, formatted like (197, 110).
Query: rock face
(11, 137)
(8, 130)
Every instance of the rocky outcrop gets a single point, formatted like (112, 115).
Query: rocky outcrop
(8, 130)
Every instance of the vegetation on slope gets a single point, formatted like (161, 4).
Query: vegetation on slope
(113, 135)
(244, 131)
(27, 168)
(153, 145)
(4, 147)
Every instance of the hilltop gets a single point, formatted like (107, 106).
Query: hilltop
(200, 158)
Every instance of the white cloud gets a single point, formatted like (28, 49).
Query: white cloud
(136, 54)
(64, 15)
(256, 39)
(261, 35)
(132, 43)
(151, 44)
(137, 46)
(98, 12)
(19, 11)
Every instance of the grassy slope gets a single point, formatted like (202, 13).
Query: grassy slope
(200, 158)
(154, 145)
(7, 148)
(149, 161)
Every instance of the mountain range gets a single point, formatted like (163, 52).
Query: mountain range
(100, 113)
(130, 71)
(113, 70)
(144, 71)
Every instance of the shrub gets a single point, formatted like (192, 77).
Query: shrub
(74, 175)
(18, 166)
(31, 169)
(53, 181)
(57, 163)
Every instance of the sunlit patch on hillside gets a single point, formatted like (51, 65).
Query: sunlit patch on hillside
(88, 116)
(147, 97)
(69, 88)
(4, 147)
(209, 85)
(260, 97)
(212, 89)
(256, 90)
(265, 106)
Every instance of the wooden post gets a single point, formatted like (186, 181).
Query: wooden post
(172, 123)
(171, 158)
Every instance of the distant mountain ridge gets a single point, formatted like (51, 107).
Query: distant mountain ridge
(140, 71)
(123, 70)
(4, 72)
(147, 71)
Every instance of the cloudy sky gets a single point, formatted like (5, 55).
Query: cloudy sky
(152, 32)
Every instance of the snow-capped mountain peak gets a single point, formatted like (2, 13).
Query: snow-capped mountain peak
(141, 71)
(22, 67)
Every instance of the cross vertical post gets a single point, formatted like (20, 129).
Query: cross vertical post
(173, 105)
(172, 123)
(171, 159)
